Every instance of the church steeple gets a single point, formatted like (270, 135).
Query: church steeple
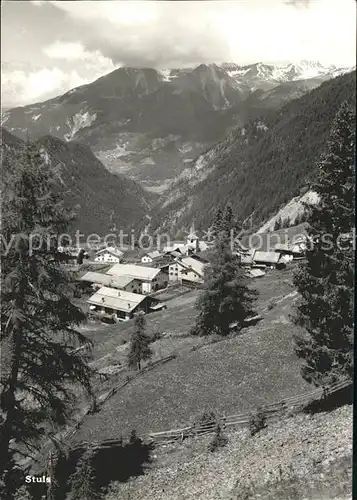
(192, 235)
(192, 239)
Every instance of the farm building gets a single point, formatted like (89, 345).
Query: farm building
(245, 257)
(120, 305)
(152, 256)
(150, 278)
(179, 248)
(121, 282)
(109, 254)
(291, 250)
(188, 270)
(266, 258)
(255, 273)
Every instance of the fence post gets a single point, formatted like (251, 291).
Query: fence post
(223, 420)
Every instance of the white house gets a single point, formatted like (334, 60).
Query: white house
(120, 305)
(109, 254)
(151, 256)
(151, 278)
(187, 270)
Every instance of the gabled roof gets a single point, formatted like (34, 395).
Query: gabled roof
(255, 273)
(154, 255)
(180, 247)
(134, 271)
(194, 264)
(107, 280)
(112, 250)
(271, 257)
(116, 299)
(246, 257)
(283, 247)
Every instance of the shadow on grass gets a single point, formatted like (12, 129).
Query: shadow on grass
(330, 401)
(118, 462)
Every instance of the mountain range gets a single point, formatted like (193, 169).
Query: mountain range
(151, 124)
(260, 166)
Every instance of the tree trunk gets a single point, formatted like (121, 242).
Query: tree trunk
(10, 389)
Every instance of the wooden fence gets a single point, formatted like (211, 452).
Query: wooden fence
(271, 411)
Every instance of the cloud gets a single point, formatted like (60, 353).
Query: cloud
(19, 87)
(76, 52)
(22, 84)
(65, 50)
(73, 42)
(159, 34)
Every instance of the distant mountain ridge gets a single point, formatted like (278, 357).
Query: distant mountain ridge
(259, 167)
(102, 198)
(150, 124)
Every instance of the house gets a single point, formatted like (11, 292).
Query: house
(187, 270)
(286, 252)
(296, 247)
(246, 257)
(194, 270)
(255, 273)
(109, 254)
(150, 278)
(119, 305)
(152, 256)
(71, 253)
(121, 282)
(266, 258)
(179, 248)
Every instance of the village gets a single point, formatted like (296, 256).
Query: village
(117, 284)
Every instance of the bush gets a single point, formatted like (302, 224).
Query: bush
(156, 336)
(257, 422)
(218, 440)
(207, 419)
(271, 304)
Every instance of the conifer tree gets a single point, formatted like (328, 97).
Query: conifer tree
(278, 224)
(22, 493)
(227, 299)
(325, 281)
(139, 345)
(217, 221)
(82, 481)
(38, 319)
(228, 221)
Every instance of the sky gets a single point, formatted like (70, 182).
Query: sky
(50, 47)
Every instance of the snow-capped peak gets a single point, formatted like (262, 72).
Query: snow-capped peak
(299, 70)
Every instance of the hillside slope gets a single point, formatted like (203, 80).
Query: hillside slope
(294, 458)
(102, 198)
(260, 166)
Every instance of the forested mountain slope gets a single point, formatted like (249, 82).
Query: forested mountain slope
(102, 198)
(262, 165)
